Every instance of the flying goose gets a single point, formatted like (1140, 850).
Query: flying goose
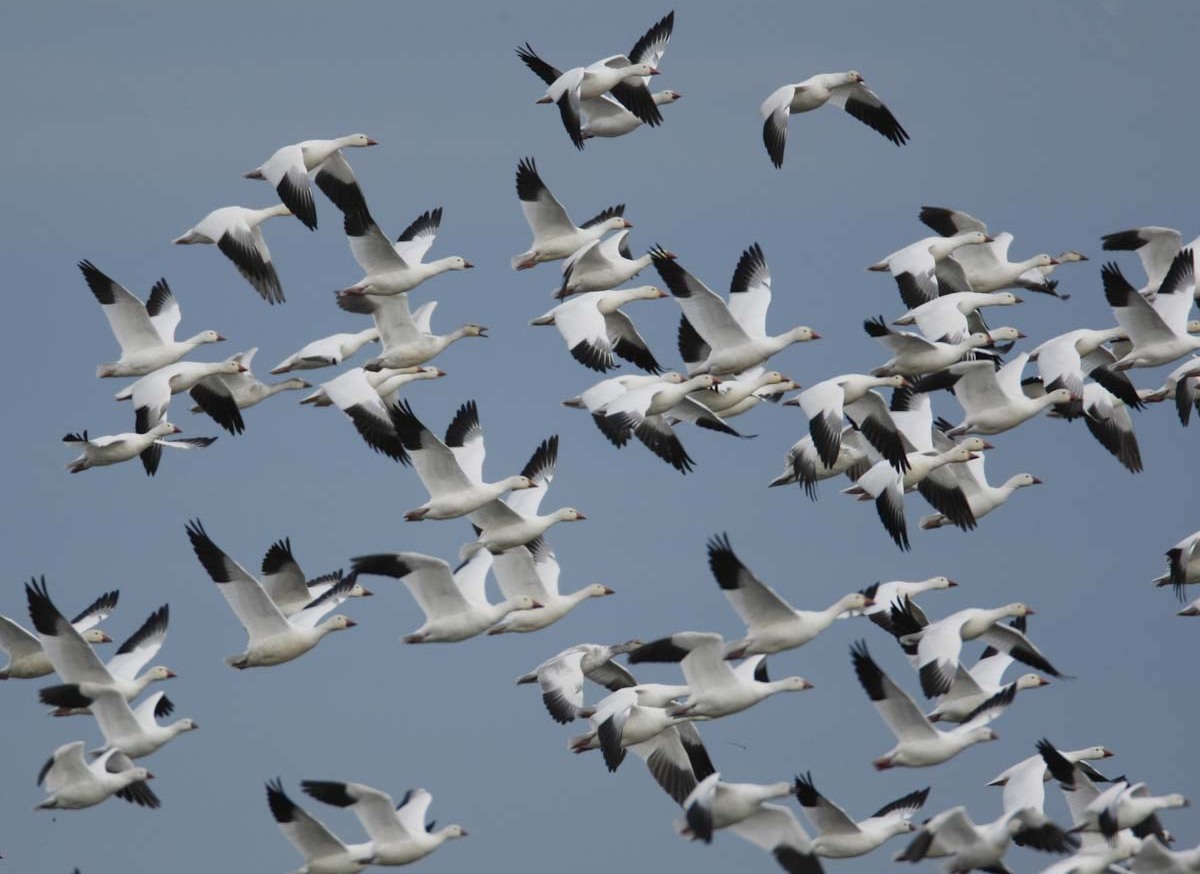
(135, 732)
(993, 399)
(353, 394)
(289, 168)
(535, 572)
(884, 594)
(986, 267)
(839, 836)
(152, 393)
(772, 625)
(1183, 565)
(245, 389)
(144, 331)
(1156, 247)
(237, 232)
(27, 660)
(715, 688)
(802, 464)
(327, 351)
(285, 583)
(72, 783)
(386, 381)
(967, 846)
(918, 743)
(272, 637)
(851, 395)
(555, 236)
(844, 90)
(115, 448)
(1158, 330)
(913, 355)
(953, 317)
(735, 332)
(323, 851)
(455, 603)
(914, 267)
(605, 117)
(971, 486)
(407, 337)
(561, 676)
(602, 265)
(595, 328)
(398, 832)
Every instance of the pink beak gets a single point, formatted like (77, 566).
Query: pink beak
(371, 142)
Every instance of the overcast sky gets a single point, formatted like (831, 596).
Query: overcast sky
(127, 122)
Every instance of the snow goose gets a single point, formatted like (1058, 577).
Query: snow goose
(289, 167)
(735, 332)
(884, 594)
(1038, 278)
(75, 662)
(986, 267)
(451, 470)
(993, 399)
(643, 411)
(966, 846)
(73, 784)
(1152, 857)
(354, 395)
(744, 809)
(914, 267)
(1067, 360)
(595, 328)
(1181, 385)
(323, 851)
(237, 232)
(953, 317)
(407, 337)
(605, 117)
(386, 381)
(742, 393)
(144, 331)
(27, 660)
(272, 637)
(602, 265)
(1120, 806)
(803, 464)
(675, 757)
(1183, 565)
(152, 393)
(844, 90)
(1108, 420)
(1156, 247)
(326, 352)
(620, 721)
(918, 743)
(390, 268)
(1158, 330)
(555, 236)
(971, 486)
(594, 399)
(913, 355)
(561, 677)
(715, 688)
(772, 625)
(851, 395)
(245, 389)
(626, 76)
(455, 603)
(285, 584)
(135, 732)
(398, 832)
(1034, 767)
(523, 571)
(839, 836)
(115, 448)
(940, 642)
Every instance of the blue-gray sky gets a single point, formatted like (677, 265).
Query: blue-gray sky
(127, 122)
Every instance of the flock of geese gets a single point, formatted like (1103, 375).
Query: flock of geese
(879, 428)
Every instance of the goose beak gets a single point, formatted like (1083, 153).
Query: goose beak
(465, 833)
(243, 368)
(580, 516)
(972, 456)
(537, 604)
(220, 338)
(654, 71)
(988, 239)
(1043, 681)
(483, 332)
(816, 336)
(171, 674)
(807, 685)
(1030, 611)
(1018, 299)
(467, 265)
(367, 593)
(104, 638)
(371, 142)
(1021, 336)
(1036, 481)
(176, 430)
(149, 776)
(987, 445)
(870, 602)
(791, 402)
(545, 99)
(609, 591)
(953, 584)
(1107, 753)
(350, 623)
(1055, 261)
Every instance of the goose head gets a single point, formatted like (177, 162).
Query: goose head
(891, 381)
(802, 334)
(792, 684)
(939, 583)
(1005, 334)
(982, 734)
(336, 623)
(453, 831)
(162, 429)
(517, 483)
(852, 77)
(647, 292)
(1031, 681)
(1004, 299)
(207, 337)
(1089, 753)
(357, 141)
(1022, 480)
(596, 590)
(454, 262)
(184, 725)
(704, 380)
(974, 341)
(95, 635)
(639, 70)
(137, 774)
(1070, 256)
(1193, 327)
(1042, 260)
(627, 646)
(854, 601)
(568, 514)
(661, 97)
(1058, 396)
(945, 246)
(293, 384)
(1016, 609)
(672, 378)
(524, 602)
(472, 330)
(160, 673)
(958, 454)
(976, 444)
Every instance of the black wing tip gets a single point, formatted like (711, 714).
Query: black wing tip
(106, 603)
(464, 423)
(805, 790)
(876, 327)
(156, 623)
(662, 650)
(430, 220)
(282, 807)
(723, 561)
(279, 554)
(328, 791)
(42, 611)
(870, 675)
(382, 564)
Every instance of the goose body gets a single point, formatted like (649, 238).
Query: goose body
(839, 836)
(913, 355)
(28, 660)
(386, 382)
(535, 573)
(407, 337)
(326, 352)
(600, 266)
(323, 851)
(289, 168)
(561, 676)
(605, 117)
(914, 268)
(993, 399)
(72, 783)
(970, 483)
(952, 317)
(236, 231)
(595, 328)
(244, 388)
(1159, 330)
(984, 268)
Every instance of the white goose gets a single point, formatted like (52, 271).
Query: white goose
(353, 394)
(953, 317)
(1067, 360)
(326, 352)
(289, 167)
(451, 470)
(1183, 565)
(981, 498)
(1158, 330)
(605, 117)
(802, 464)
(918, 743)
(115, 448)
(839, 836)
(744, 392)
(144, 331)
(245, 389)
(913, 355)
(1181, 385)
(386, 381)
(26, 658)
(398, 832)
(323, 851)
(595, 328)
(535, 573)
(883, 595)
(621, 721)
(982, 268)
(561, 676)
(73, 784)
(772, 625)
(602, 265)
(952, 834)
(455, 603)
(1156, 247)
(152, 393)
(735, 332)
(407, 337)
(237, 233)
(272, 637)
(626, 76)
(285, 584)
(555, 236)
(851, 395)
(993, 399)
(914, 267)
(844, 90)
(715, 688)
(744, 809)
(1153, 857)
(1033, 769)
(135, 732)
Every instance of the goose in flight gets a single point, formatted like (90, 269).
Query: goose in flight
(839, 836)
(846, 91)
(851, 395)
(534, 572)
(555, 236)
(605, 117)
(595, 328)
(1159, 331)
(244, 387)
(27, 660)
(72, 783)
(387, 381)
(144, 331)
(1156, 247)
(286, 585)
(353, 394)
(407, 337)
(237, 232)
(289, 168)
(914, 355)
(968, 846)
(272, 637)
(914, 268)
(115, 448)
(561, 676)
(323, 851)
